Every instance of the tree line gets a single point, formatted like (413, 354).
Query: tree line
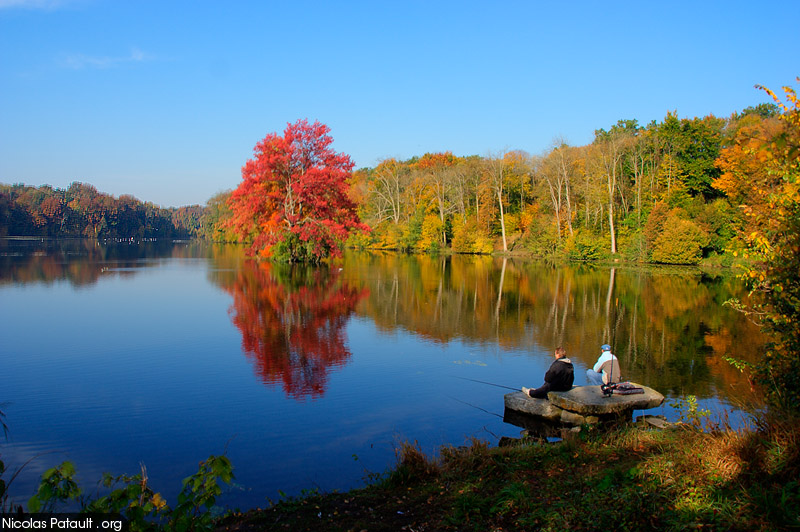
(670, 192)
(82, 211)
(665, 192)
(677, 191)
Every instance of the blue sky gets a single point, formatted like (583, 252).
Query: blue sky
(166, 99)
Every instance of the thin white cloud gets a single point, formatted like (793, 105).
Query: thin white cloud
(46, 5)
(82, 61)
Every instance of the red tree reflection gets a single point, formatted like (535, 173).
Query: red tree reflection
(292, 322)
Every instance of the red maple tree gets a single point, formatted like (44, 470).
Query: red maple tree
(292, 201)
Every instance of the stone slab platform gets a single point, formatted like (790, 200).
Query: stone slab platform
(589, 400)
(542, 408)
(582, 404)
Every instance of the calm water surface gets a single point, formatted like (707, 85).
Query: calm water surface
(162, 354)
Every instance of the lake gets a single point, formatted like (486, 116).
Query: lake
(160, 354)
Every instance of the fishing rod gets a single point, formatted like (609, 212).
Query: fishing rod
(489, 383)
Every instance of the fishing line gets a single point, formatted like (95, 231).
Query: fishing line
(475, 406)
(489, 383)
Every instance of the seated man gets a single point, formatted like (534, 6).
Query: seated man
(606, 369)
(558, 378)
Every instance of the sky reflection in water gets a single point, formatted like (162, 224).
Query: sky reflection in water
(308, 378)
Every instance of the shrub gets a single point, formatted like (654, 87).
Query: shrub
(681, 242)
(469, 238)
(583, 245)
(512, 223)
(292, 248)
(431, 234)
(528, 216)
(57, 486)
(655, 224)
(634, 246)
(722, 221)
(387, 235)
(541, 238)
(411, 233)
(136, 501)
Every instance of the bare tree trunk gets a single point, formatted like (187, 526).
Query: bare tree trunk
(611, 176)
(496, 168)
(611, 227)
(586, 198)
(569, 211)
(556, 199)
(564, 169)
(502, 218)
(396, 205)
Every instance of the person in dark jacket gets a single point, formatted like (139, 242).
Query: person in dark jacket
(558, 378)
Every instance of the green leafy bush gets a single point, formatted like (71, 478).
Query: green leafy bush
(199, 493)
(292, 249)
(583, 245)
(512, 223)
(134, 500)
(412, 232)
(360, 240)
(541, 237)
(633, 246)
(57, 486)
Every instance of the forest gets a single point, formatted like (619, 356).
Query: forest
(81, 211)
(653, 193)
(677, 191)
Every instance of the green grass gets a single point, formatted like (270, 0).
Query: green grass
(637, 478)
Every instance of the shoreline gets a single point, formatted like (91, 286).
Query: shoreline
(652, 479)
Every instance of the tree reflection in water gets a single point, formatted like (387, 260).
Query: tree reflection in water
(292, 320)
(81, 262)
(669, 326)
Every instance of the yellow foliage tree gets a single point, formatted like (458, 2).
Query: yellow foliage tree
(468, 237)
(681, 242)
(431, 238)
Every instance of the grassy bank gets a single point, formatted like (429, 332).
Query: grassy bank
(634, 478)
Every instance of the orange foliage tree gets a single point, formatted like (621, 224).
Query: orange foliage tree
(293, 201)
(747, 178)
(770, 164)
